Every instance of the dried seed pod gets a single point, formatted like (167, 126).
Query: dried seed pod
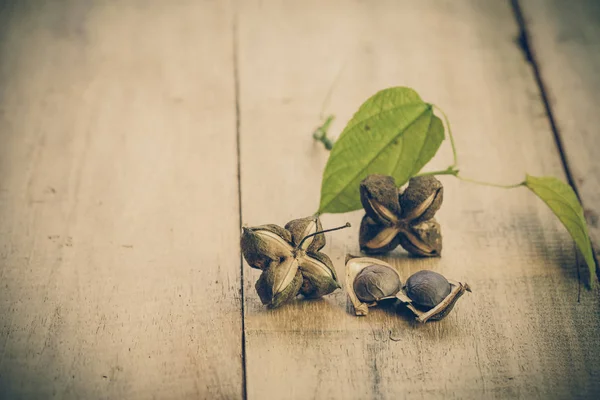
(379, 197)
(290, 260)
(421, 199)
(424, 292)
(405, 219)
(265, 287)
(373, 284)
(375, 238)
(301, 228)
(427, 289)
(319, 275)
(424, 239)
(263, 244)
(376, 282)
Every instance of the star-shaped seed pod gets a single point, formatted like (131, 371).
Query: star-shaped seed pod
(405, 219)
(290, 260)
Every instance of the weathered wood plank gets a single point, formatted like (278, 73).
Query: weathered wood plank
(521, 333)
(565, 38)
(119, 228)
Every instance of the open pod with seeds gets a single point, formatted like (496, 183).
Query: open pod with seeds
(405, 219)
(430, 296)
(427, 294)
(290, 260)
(368, 281)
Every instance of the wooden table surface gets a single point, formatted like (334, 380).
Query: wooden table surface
(137, 137)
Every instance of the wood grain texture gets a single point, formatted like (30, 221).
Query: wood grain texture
(565, 38)
(521, 333)
(119, 223)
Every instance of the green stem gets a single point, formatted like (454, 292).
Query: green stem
(328, 121)
(454, 154)
(454, 172)
(332, 88)
(447, 171)
(489, 183)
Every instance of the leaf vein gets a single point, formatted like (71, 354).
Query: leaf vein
(375, 157)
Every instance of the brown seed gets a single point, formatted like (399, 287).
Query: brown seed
(376, 282)
(427, 289)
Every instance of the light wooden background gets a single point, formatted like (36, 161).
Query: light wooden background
(136, 137)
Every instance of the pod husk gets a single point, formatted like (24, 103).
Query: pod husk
(353, 267)
(316, 284)
(379, 197)
(440, 311)
(264, 286)
(299, 228)
(259, 253)
(422, 198)
(369, 230)
(424, 239)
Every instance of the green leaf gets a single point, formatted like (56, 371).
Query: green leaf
(563, 201)
(393, 133)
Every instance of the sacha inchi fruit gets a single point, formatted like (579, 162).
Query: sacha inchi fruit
(405, 219)
(290, 260)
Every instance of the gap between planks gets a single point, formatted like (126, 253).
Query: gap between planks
(236, 86)
(525, 43)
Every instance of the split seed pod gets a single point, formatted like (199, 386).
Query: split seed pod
(368, 281)
(424, 239)
(379, 197)
(430, 296)
(290, 260)
(421, 199)
(405, 219)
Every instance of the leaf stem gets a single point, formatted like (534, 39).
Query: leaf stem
(454, 172)
(332, 88)
(489, 183)
(448, 171)
(454, 154)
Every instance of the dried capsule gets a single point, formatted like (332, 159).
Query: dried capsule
(376, 282)
(421, 199)
(300, 228)
(273, 295)
(379, 197)
(424, 239)
(263, 244)
(427, 289)
(290, 260)
(375, 238)
(405, 219)
(319, 276)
